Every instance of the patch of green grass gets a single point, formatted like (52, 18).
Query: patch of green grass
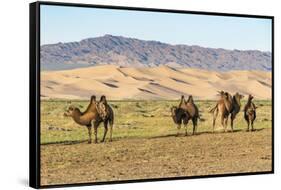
(137, 119)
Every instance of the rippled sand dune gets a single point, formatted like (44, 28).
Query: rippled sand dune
(119, 83)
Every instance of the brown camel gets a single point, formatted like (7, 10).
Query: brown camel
(89, 118)
(250, 112)
(236, 105)
(180, 116)
(224, 107)
(107, 115)
(190, 107)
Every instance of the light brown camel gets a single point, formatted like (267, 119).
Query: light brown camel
(190, 107)
(250, 112)
(224, 107)
(89, 118)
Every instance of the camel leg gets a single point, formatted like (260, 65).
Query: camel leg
(179, 127)
(215, 115)
(222, 121)
(95, 125)
(105, 130)
(90, 134)
(96, 134)
(252, 125)
(225, 125)
(110, 130)
(232, 119)
(194, 125)
(248, 123)
(185, 126)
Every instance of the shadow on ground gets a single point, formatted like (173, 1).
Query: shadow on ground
(67, 142)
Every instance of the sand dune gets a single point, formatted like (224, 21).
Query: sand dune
(151, 83)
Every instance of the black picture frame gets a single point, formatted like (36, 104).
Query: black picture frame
(34, 91)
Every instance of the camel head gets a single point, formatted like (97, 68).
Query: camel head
(251, 97)
(70, 111)
(220, 93)
(227, 96)
(173, 111)
(174, 114)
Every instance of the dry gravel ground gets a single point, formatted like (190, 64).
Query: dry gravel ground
(157, 157)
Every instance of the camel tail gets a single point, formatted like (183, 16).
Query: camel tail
(213, 109)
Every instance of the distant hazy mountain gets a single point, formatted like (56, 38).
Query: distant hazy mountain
(122, 51)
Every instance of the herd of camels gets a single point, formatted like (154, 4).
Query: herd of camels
(227, 106)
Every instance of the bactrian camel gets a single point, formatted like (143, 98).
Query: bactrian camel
(107, 115)
(226, 106)
(250, 113)
(192, 110)
(180, 116)
(89, 118)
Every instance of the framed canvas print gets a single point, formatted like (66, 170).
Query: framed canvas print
(125, 94)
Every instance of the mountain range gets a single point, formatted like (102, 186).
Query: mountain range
(130, 52)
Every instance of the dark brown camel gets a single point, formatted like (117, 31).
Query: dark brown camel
(180, 116)
(236, 105)
(89, 118)
(191, 109)
(107, 115)
(250, 112)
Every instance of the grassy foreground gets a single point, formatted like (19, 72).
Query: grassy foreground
(145, 145)
(135, 119)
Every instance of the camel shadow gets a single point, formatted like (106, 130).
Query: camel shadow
(66, 142)
(204, 132)
(228, 131)
(72, 142)
(165, 136)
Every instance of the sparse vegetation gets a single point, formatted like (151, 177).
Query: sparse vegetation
(136, 119)
(145, 144)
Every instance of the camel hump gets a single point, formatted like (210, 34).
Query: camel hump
(182, 102)
(190, 99)
(103, 99)
(104, 110)
(93, 98)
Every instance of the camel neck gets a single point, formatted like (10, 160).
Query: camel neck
(76, 115)
(249, 101)
(236, 101)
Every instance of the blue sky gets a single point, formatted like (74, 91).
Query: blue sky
(67, 24)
